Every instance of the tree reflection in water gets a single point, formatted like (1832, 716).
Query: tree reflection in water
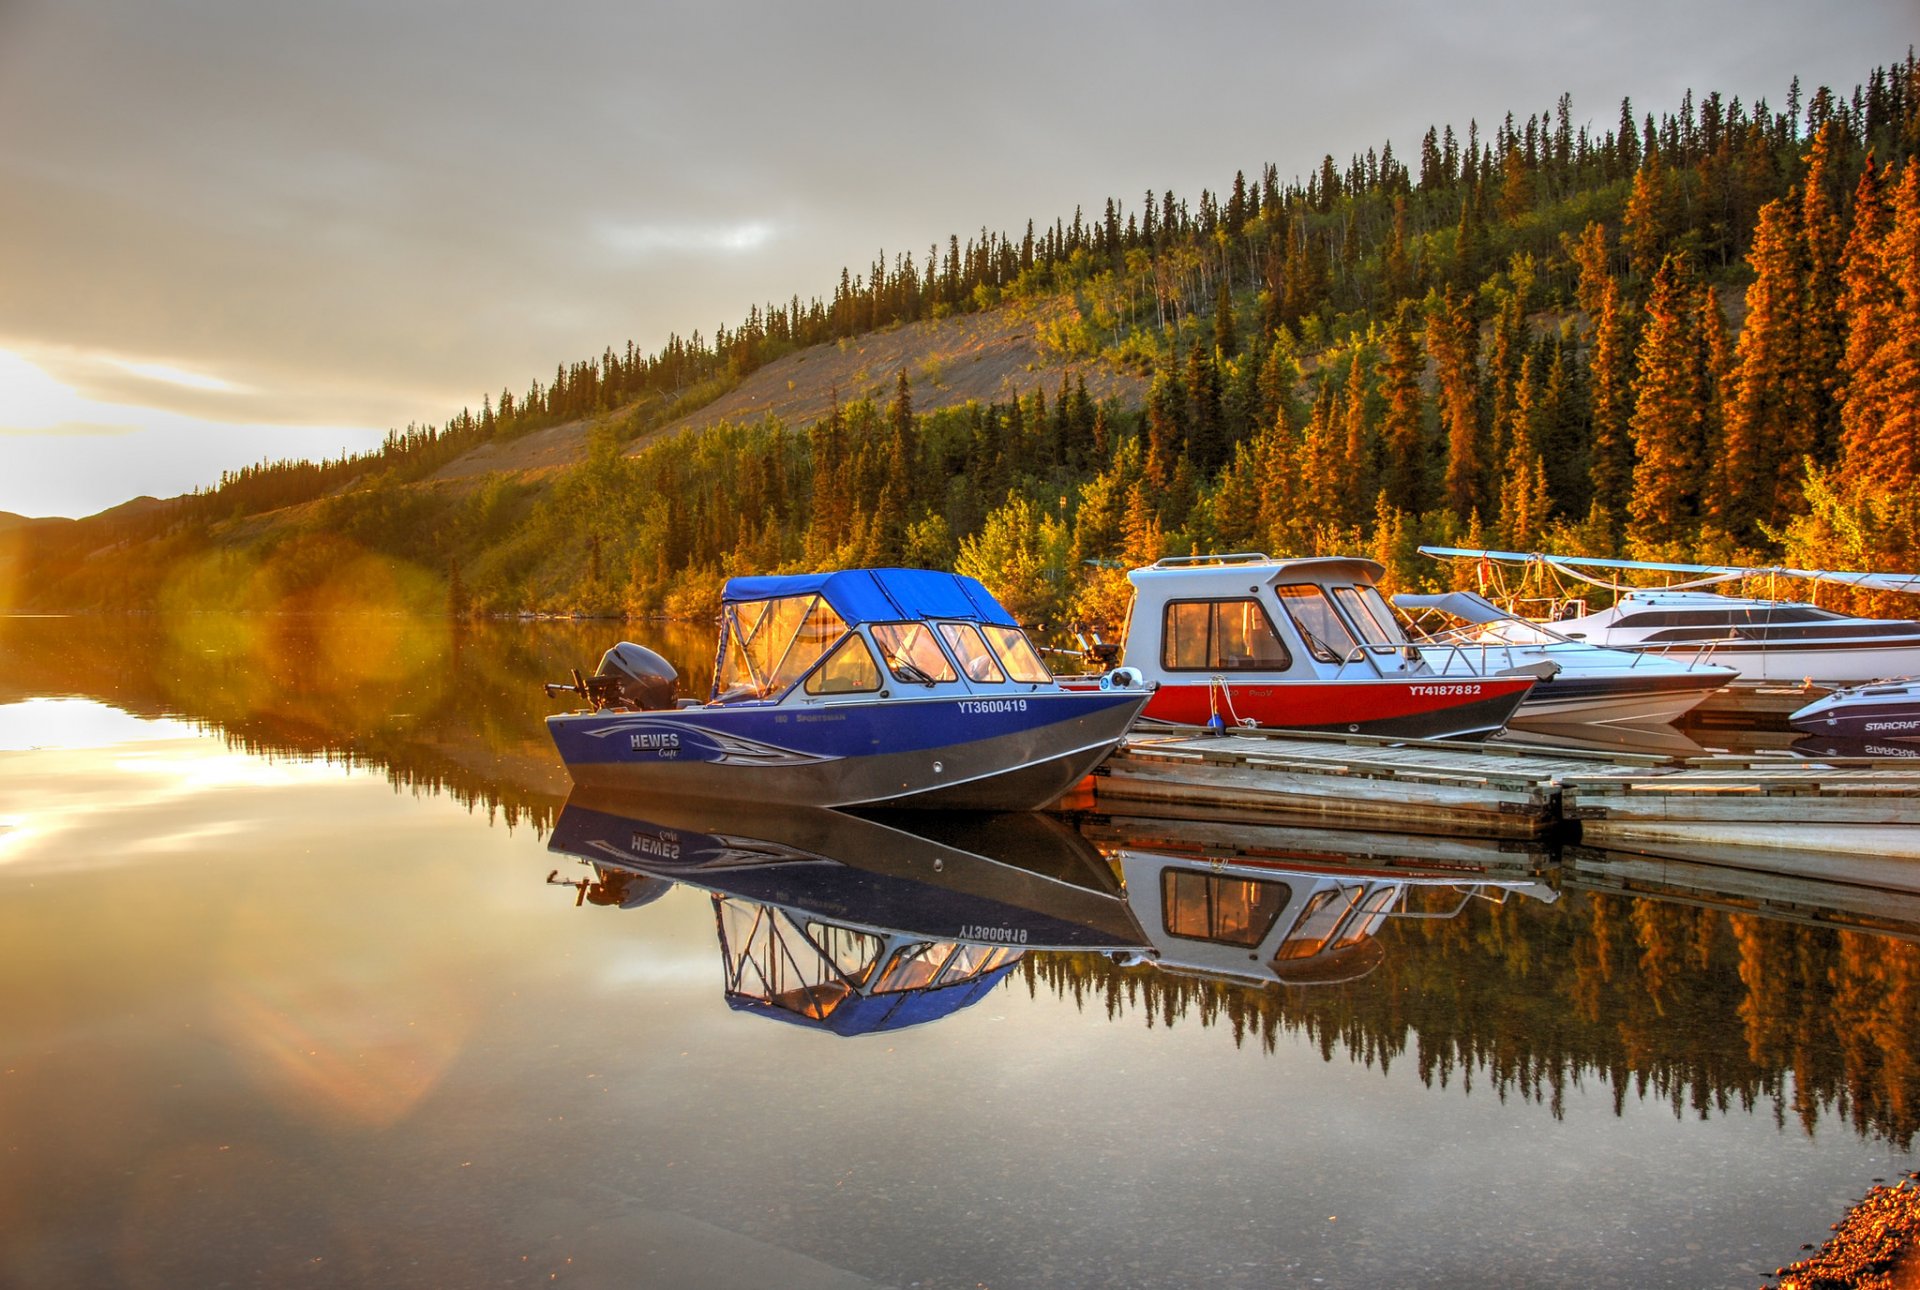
(1704, 1009)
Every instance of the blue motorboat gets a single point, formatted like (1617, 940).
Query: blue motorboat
(1884, 710)
(861, 687)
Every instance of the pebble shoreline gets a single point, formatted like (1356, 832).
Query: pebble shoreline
(1875, 1247)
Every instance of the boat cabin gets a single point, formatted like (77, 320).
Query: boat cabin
(1261, 922)
(1320, 618)
(855, 633)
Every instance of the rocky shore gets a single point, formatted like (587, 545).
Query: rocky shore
(1875, 1247)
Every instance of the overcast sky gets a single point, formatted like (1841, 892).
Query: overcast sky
(242, 229)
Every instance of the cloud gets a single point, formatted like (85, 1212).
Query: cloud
(647, 241)
(176, 376)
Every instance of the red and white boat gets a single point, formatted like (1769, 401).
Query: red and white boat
(1306, 644)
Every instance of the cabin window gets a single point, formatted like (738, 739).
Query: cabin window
(912, 654)
(1221, 636)
(1017, 652)
(1326, 635)
(976, 660)
(767, 645)
(1369, 614)
(1220, 908)
(850, 669)
(1317, 921)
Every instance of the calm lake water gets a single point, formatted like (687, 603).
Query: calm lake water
(313, 977)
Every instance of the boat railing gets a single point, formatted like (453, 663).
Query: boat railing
(1370, 653)
(1193, 561)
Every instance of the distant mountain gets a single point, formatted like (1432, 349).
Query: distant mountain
(129, 509)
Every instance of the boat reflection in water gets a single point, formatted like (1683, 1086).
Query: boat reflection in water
(857, 924)
(854, 924)
(1302, 919)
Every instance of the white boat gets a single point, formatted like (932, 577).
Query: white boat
(1302, 644)
(1266, 921)
(1761, 639)
(1460, 633)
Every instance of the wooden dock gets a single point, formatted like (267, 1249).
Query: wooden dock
(1489, 790)
(1856, 807)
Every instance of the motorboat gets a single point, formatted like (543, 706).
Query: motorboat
(1279, 921)
(1301, 644)
(1867, 713)
(1461, 633)
(853, 924)
(860, 687)
(1762, 639)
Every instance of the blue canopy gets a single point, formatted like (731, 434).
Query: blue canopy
(880, 595)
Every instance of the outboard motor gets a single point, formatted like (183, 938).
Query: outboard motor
(641, 678)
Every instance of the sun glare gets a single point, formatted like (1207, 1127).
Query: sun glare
(79, 723)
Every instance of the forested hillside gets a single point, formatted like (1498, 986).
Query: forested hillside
(1695, 333)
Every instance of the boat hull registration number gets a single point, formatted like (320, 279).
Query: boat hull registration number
(1463, 687)
(976, 707)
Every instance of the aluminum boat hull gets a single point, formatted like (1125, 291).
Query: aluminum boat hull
(959, 752)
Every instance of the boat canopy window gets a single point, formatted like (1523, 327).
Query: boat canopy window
(808, 971)
(926, 965)
(1017, 652)
(852, 952)
(1326, 635)
(767, 645)
(912, 654)
(1220, 908)
(1221, 636)
(976, 660)
(1315, 926)
(1370, 615)
(849, 669)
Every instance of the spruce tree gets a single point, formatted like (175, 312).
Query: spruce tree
(1669, 422)
(1453, 338)
(1403, 432)
(1611, 383)
(1769, 415)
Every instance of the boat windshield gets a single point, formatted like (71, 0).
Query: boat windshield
(1017, 652)
(1317, 922)
(976, 660)
(911, 652)
(767, 645)
(925, 965)
(1326, 635)
(1370, 615)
